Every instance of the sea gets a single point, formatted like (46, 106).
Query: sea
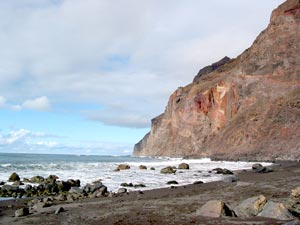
(89, 168)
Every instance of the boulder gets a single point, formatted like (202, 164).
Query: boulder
(122, 190)
(75, 183)
(142, 167)
(251, 206)
(295, 193)
(18, 183)
(222, 171)
(172, 182)
(230, 179)
(257, 166)
(51, 179)
(215, 209)
(91, 188)
(37, 179)
(63, 186)
(28, 188)
(61, 197)
(152, 168)
(126, 185)
(294, 222)
(40, 205)
(293, 202)
(14, 177)
(59, 210)
(10, 188)
(183, 166)
(198, 182)
(122, 167)
(22, 212)
(76, 190)
(276, 211)
(168, 170)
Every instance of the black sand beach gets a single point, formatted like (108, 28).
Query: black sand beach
(176, 205)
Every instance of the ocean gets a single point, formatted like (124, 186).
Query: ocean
(89, 168)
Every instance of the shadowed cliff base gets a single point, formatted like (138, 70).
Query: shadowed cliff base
(243, 108)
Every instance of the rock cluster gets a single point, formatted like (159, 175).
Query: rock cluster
(257, 167)
(255, 206)
(50, 186)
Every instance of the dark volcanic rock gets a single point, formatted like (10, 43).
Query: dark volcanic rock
(122, 167)
(59, 210)
(14, 177)
(172, 182)
(249, 108)
(37, 179)
(184, 166)
(222, 171)
(168, 170)
(21, 212)
(142, 167)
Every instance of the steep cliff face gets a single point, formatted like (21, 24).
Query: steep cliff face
(247, 108)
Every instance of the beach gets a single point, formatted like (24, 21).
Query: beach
(173, 205)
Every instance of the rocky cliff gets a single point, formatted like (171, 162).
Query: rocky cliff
(243, 108)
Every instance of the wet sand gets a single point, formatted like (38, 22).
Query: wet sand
(167, 205)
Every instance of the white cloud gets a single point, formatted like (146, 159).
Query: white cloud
(50, 144)
(107, 53)
(39, 104)
(26, 141)
(2, 102)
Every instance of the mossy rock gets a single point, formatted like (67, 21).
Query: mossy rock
(14, 177)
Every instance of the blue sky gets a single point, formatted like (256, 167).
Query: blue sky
(87, 76)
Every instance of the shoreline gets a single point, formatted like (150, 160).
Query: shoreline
(168, 205)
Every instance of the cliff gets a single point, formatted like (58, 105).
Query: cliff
(243, 108)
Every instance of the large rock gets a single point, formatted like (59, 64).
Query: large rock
(59, 210)
(22, 212)
(294, 222)
(184, 166)
(234, 112)
(168, 170)
(223, 171)
(14, 177)
(215, 209)
(251, 206)
(276, 211)
(37, 179)
(122, 167)
(293, 202)
(96, 187)
(142, 167)
(230, 179)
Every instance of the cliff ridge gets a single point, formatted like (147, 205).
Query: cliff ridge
(243, 108)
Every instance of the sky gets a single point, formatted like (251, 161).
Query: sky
(87, 76)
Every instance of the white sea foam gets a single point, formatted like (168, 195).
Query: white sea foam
(91, 171)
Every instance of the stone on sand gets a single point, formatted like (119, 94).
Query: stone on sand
(251, 206)
(215, 209)
(276, 211)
